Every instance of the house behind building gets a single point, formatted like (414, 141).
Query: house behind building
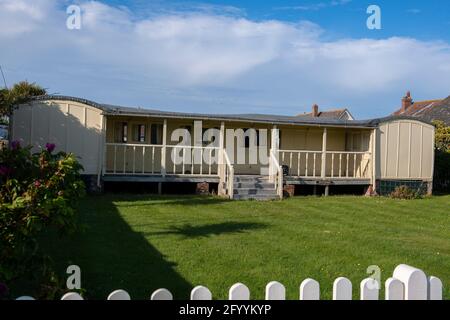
(339, 114)
(427, 110)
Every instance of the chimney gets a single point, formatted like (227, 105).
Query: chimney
(315, 110)
(406, 102)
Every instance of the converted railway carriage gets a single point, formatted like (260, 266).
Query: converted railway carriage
(136, 145)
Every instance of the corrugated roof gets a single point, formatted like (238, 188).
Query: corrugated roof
(109, 109)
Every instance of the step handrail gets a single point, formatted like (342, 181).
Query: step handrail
(229, 175)
(278, 175)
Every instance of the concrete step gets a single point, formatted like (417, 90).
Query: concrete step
(255, 197)
(251, 178)
(253, 191)
(255, 185)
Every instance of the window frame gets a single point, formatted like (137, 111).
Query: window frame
(139, 136)
(124, 132)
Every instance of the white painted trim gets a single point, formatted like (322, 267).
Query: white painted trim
(386, 150)
(374, 157)
(324, 153)
(163, 153)
(409, 149)
(397, 149)
(350, 116)
(421, 150)
(102, 151)
(433, 154)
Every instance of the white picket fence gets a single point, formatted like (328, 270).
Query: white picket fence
(406, 283)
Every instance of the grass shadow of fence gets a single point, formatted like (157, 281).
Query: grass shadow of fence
(190, 231)
(112, 256)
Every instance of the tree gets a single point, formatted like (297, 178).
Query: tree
(21, 92)
(442, 136)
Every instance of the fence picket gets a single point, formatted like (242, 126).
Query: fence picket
(161, 294)
(25, 298)
(434, 288)
(119, 295)
(414, 280)
(407, 283)
(71, 296)
(239, 291)
(369, 289)
(309, 290)
(275, 291)
(394, 289)
(342, 289)
(201, 293)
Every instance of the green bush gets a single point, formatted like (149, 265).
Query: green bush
(37, 191)
(405, 192)
(442, 158)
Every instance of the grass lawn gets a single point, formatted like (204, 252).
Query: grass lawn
(140, 242)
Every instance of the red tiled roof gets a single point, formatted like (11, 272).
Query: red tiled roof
(330, 114)
(428, 110)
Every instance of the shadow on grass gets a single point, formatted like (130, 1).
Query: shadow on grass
(113, 256)
(169, 200)
(207, 230)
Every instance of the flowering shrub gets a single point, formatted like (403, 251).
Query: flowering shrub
(37, 191)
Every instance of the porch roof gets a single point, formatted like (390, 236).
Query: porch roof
(114, 110)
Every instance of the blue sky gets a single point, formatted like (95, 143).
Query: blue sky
(420, 19)
(275, 57)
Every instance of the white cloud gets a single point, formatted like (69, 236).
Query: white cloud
(206, 61)
(97, 16)
(33, 10)
(21, 16)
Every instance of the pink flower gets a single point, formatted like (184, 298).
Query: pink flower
(50, 147)
(37, 183)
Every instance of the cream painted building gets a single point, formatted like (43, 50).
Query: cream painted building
(132, 144)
